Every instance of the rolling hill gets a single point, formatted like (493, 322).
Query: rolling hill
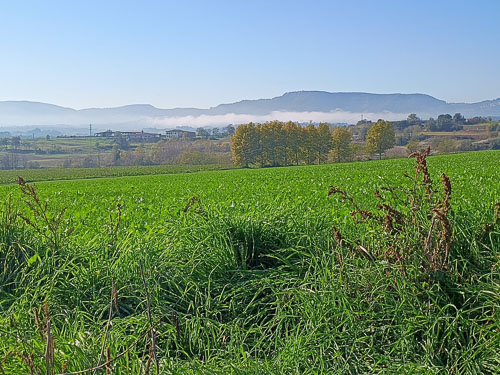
(296, 106)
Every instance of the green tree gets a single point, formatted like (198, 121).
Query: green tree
(458, 119)
(116, 155)
(203, 133)
(413, 119)
(15, 141)
(341, 145)
(229, 130)
(445, 123)
(430, 124)
(380, 137)
(121, 141)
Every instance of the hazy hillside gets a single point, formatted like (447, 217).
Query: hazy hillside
(297, 106)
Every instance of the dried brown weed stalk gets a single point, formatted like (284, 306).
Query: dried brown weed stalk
(420, 223)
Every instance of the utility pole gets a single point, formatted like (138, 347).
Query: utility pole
(90, 130)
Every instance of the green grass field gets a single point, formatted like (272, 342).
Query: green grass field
(52, 174)
(250, 277)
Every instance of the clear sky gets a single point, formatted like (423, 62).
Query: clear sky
(202, 53)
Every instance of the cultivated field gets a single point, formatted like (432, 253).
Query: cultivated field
(52, 174)
(256, 271)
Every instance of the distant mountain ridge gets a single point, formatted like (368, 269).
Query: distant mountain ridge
(321, 101)
(14, 113)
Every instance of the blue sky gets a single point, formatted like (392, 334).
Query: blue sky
(202, 53)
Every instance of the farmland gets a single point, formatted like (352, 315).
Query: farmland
(52, 174)
(240, 271)
(94, 152)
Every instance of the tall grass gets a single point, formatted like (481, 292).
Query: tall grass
(216, 285)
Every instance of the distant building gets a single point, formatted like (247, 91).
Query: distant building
(177, 133)
(106, 134)
(131, 136)
(142, 136)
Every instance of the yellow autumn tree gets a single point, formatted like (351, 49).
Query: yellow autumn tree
(341, 145)
(293, 139)
(309, 144)
(275, 143)
(271, 148)
(324, 141)
(244, 145)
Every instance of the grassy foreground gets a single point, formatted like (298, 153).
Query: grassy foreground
(241, 272)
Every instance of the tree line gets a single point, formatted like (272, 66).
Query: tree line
(278, 143)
